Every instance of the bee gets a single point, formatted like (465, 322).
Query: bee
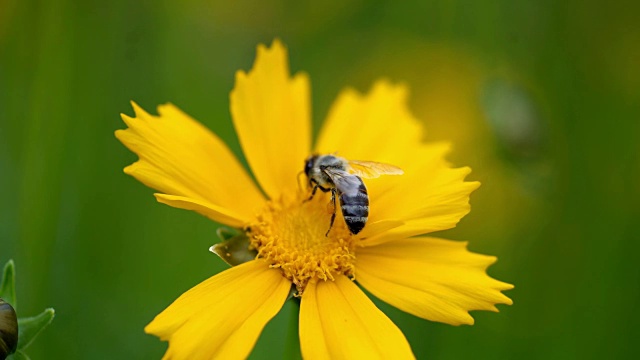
(344, 179)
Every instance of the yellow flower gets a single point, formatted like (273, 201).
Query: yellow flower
(435, 279)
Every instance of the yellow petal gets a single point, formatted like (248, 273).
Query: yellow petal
(430, 196)
(338, 321)
(424, 201)
(209, 210)
(180, 157)
(435, 279)
(374, 127)
(374, 228)
(272, 115)
(222, 317)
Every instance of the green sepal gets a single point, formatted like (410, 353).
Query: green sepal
(8, 284)
(30, 327)
(234, 249)
(293, 292)
(225, 233)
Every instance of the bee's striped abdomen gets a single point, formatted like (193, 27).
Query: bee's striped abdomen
(355, 208)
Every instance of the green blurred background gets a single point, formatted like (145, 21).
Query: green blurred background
(541, 99)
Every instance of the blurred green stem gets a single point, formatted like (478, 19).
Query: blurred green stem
(293, 340)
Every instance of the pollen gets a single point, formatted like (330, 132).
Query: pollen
(289, 234)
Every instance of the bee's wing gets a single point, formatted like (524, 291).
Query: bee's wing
(346, 183)
(372, 169)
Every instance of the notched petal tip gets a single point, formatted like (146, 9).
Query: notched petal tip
(507, 286)
(139, 115)
(276, 46)
(240, 77)
(277, 42)
(394, 88)
(130, 169)
(128, 120)
(177, 155)
(271, 113)
(436, 279)
(168, 104)
(464, 170)
(139, 111)
(507, 301)
(464, 318)
(134, 169)
(120, 132)
(169, 109)
(275, 56)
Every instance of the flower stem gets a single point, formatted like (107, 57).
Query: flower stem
(292, 350)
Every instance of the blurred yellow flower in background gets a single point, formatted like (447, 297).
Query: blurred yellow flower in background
(432, 278)
(452, 95)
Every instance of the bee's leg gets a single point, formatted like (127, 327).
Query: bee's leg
(315, 188)
(313, 192)
(333, 215)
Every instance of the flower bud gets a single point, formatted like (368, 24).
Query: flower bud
(8, 329)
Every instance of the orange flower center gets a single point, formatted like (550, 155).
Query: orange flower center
(290, 235)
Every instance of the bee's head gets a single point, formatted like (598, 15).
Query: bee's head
(308, 164)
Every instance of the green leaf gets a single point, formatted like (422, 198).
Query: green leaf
(8, 285)
(29, 328)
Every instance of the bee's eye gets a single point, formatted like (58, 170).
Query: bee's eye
(308, 165)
